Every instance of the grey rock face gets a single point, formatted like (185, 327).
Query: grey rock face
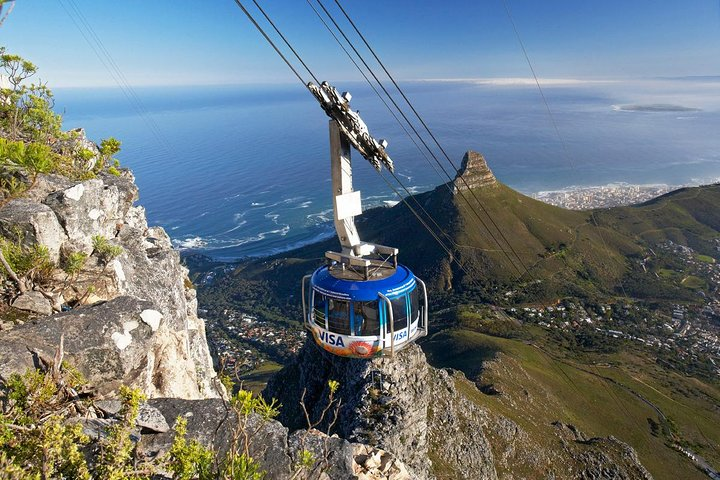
(214, 424)
(474, 173)
(398, 404)
(148, 269)
(456, 428)
(384, 400)
(34, 223)
(89, 208)
(333, 455)
(33, 302)
(108, 343)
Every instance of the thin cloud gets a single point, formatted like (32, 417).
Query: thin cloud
(519, 81)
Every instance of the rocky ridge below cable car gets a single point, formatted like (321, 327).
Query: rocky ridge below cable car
(418, 413)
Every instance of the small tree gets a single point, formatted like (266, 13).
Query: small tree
(108, 147)
(39, 122)
(17, 70)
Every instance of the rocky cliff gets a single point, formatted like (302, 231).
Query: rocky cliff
(474, 173)
(125, 318)
(431, 420)
(399, 404)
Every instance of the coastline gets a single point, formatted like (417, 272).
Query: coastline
(616, 194)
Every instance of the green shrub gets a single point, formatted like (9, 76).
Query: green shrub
(108, 147)
(189, 460)
(34, 436)
(105, 250)
(33, 262)
(74, 262)
(37, 441)
(34, 157)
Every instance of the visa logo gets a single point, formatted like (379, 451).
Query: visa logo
(331, 339)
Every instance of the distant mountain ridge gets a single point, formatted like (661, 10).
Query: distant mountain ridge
(545, 250)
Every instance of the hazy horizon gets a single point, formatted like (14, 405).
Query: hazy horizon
(82, 43)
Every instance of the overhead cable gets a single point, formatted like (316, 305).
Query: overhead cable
(447, 175)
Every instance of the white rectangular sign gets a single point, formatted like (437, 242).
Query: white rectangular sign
(348, 205)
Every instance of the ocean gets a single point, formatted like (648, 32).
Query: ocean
(237, 171)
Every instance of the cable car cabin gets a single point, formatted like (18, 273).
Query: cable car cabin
(353, 317)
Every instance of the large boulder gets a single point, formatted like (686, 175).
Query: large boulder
(32, 223)
(112, 343)
(89, 208)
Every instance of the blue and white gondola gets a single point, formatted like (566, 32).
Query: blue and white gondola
(365, 318)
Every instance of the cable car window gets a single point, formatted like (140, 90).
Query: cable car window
(319, 309)
(414, 304)
(339, 316)
(366, 319)
(399, 308)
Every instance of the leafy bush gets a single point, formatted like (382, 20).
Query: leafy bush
(189, 460)
(105, 250)
(32, 262)
(34, 436)
(74, 262)
(35, 142)
(34, 157)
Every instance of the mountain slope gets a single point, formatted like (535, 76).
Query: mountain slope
(497, 239)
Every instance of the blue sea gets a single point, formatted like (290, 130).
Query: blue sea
(237, 171)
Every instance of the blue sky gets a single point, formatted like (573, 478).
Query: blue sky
(163, 42)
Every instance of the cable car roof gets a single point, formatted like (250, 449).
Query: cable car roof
(401, 282)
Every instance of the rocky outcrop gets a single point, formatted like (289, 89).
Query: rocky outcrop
(399, 404)
(456, 432)
(383, 402)
(600, 457)
(474, 173)
(164, 353)
(215, 424)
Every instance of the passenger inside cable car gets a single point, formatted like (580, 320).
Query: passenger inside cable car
(362, 319)
(339, 316)
(365, 319)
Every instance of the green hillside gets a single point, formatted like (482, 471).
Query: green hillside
(534, 385)
(560, 252)
(564, 249)
(627, 268)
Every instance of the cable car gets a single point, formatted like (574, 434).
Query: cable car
(353, 317)
(362, 303)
